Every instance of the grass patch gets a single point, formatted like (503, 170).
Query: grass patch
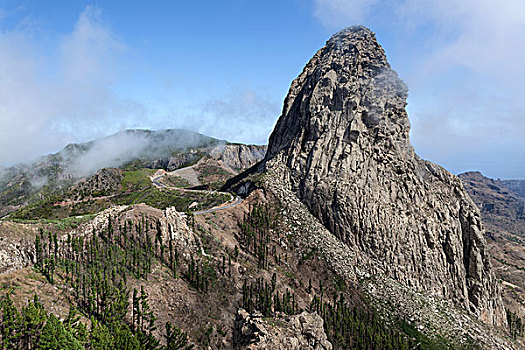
(175, 181)
(136, 179)
(162, 199)
(425, 342)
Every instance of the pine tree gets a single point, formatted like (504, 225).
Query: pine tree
(31, 322)
(39, 252)
(8, 323)
(55, 336)
(176, 339)
(100, 338)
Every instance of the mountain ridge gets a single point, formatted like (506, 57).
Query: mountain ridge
(168, 149)
(344, 237)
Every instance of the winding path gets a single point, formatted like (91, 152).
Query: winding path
(233, 202)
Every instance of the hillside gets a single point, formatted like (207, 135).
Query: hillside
(502, 211)
(52, 176)
(518, 186)
(337, 236)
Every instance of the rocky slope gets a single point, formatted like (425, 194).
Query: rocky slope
(239, 157)
(502, 212)
(501, 207)
(303, 331)
(168, 149)
(342, 145)
(517, 186)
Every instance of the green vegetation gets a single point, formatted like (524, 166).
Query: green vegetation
(515, 324)
(207, 170)
(136, 187)
(263, 297)
(136, 179)
(421, 341)
(53, 208)
(176, 181)
(353, 328)
(200, 274)
(256, 228)
(33, 327)
(213, 176)
(162, 199)
(98, 270)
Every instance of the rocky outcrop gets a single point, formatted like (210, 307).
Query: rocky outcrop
(303, 331)
(239, 157)
(16, 245)
(104, 182)
(343, 142)
(175, 161)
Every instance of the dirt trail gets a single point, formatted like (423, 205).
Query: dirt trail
(231, 203)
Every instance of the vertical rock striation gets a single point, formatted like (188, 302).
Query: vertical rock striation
(343, 137)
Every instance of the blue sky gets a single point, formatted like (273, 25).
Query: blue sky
(77, 70)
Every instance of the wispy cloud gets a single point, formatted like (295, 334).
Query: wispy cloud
(465, 73)
(244, 115)
(239, 114)
(50, 95)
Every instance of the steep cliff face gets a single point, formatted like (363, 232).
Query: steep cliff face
(239, 157)
(343, 138)
(503, 213)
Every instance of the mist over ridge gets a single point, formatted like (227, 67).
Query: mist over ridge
(77, 160)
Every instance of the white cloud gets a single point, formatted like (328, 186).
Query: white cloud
(49, 96)
(241, 114)
(483, 35)
(465, 71)
(245, 115)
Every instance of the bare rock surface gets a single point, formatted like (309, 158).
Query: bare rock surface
(303, 331)
(342, 146)
(16, 246)
(429, 313)
(239, 157)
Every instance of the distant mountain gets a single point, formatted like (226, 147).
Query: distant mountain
(517, 186)
(165, 149)
(501, 207)
(502, 211)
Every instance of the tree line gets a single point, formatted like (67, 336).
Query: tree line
(32, 327)
(100, 267)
